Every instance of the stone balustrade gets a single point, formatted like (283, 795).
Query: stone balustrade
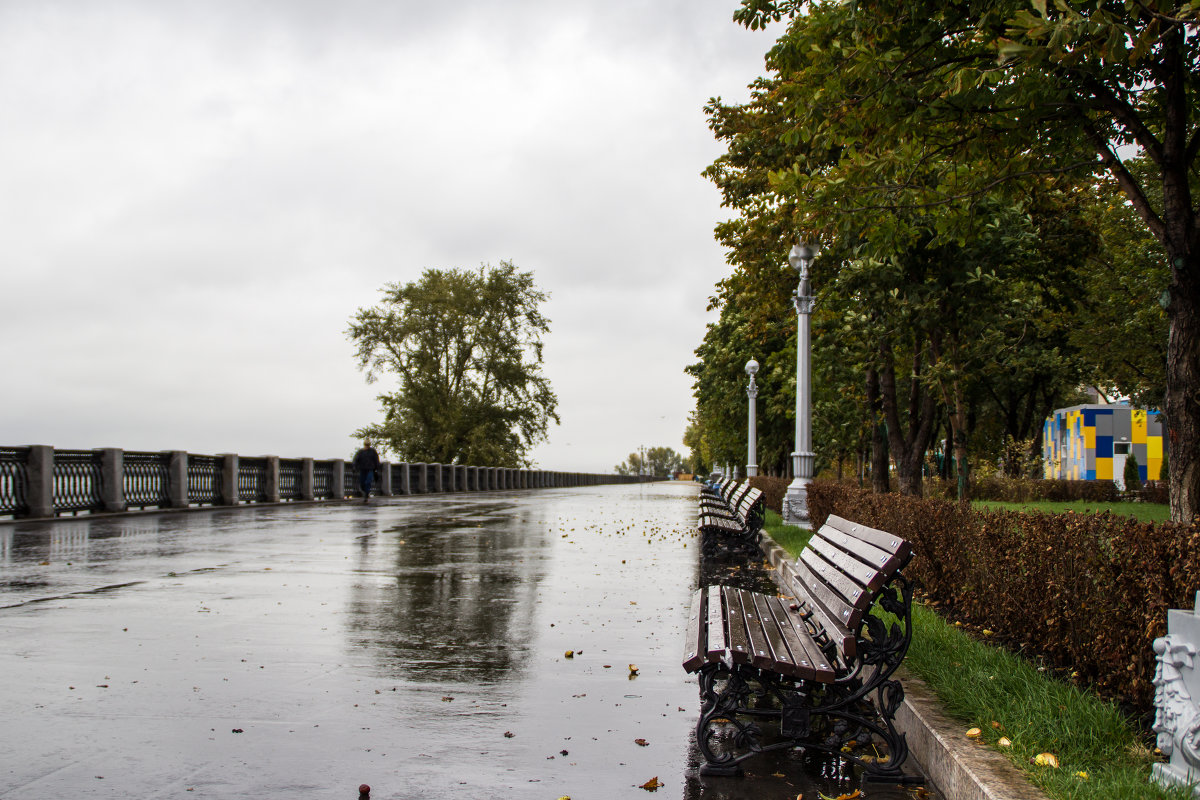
(39, 481)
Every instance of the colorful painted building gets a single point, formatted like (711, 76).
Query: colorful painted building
(1092, 443)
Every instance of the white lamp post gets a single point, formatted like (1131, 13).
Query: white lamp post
(752, 447)
(795, 502)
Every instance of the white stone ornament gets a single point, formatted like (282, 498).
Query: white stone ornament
(1177, 700)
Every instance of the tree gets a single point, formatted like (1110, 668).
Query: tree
(920, 297)
(1018, 89)
(655, 462)
(465, 347)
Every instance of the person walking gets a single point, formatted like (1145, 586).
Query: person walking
(366, 461)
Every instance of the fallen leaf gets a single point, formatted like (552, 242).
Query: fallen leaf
(1005, 742)
(996, 725)
(1083, 776)
(633, 670)
(509, 734)
(641, 742)
(1046, 760)
(974, 733)
(569, 654)
(653, 784)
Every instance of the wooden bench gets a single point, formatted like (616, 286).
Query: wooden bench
(812, 667)
(731, 519)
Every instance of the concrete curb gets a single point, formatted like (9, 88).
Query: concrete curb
(961, 769)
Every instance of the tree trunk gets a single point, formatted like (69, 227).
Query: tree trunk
(1183, 395)
(907, 445)
(880, 483)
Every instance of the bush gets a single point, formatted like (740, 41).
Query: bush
(1024, 490)
(1087, 593)
(1133, 479)
(773, 490)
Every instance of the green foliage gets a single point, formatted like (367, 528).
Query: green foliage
(654, 461)
(1037, 580)
(926, 107)
(465, 347)
(1133, 481)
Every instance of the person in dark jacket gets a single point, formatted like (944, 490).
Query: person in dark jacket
(366, 461)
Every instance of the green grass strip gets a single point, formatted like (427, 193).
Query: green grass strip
(1143, 512)
(1100, 755)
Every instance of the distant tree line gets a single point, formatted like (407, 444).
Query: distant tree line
(654, 461)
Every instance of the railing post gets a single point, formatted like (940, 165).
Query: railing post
(338, 490)
(271, 490)
(308, 480)
(177, 478)
(112, 478)
(39, 470)
(229, 479)
(405, 486)
(385, 479)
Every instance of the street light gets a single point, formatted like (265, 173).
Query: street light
(752, 447)
(795, 502)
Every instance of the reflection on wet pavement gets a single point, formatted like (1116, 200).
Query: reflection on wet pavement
(418, 645)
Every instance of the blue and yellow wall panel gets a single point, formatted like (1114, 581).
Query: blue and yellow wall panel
(1088, 442)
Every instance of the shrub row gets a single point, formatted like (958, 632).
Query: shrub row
(1087, 593)
(773, 490)
(1024, 490)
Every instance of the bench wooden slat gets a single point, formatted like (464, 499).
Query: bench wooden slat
(883, 561)
(855, 595)
(829, 610)
(867, 576)
(881, 539)
(717, 643)
(695, 644)
(783, 660)
(761, 654)
(739, 641)
(809, 661)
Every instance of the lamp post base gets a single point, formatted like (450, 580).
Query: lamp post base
(751, 470)
(795, 504)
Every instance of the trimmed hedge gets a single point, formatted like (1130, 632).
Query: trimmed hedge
(1024, 490)
(773, 490)
(1087, 593)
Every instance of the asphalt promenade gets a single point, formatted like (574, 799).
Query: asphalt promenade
(415, 644)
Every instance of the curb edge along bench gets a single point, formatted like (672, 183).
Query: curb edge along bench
(731, 512)
(818, 663)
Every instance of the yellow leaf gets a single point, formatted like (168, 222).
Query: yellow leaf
(1046, 760)
(986, 632)
(1083, 776)
(1005, 742)
(569, 654)
(633, 670)
(974, 733)
(653, 785)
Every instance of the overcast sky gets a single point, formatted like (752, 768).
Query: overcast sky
(198, 194)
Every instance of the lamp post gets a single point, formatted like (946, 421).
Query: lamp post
(752, 446)
(795, 502)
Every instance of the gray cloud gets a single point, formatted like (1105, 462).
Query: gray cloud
(199, 194)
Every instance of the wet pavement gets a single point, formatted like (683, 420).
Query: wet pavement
(417, 645)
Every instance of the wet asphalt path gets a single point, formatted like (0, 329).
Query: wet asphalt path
(414, 644)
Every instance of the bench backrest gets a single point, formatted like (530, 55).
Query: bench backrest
(842, 569)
